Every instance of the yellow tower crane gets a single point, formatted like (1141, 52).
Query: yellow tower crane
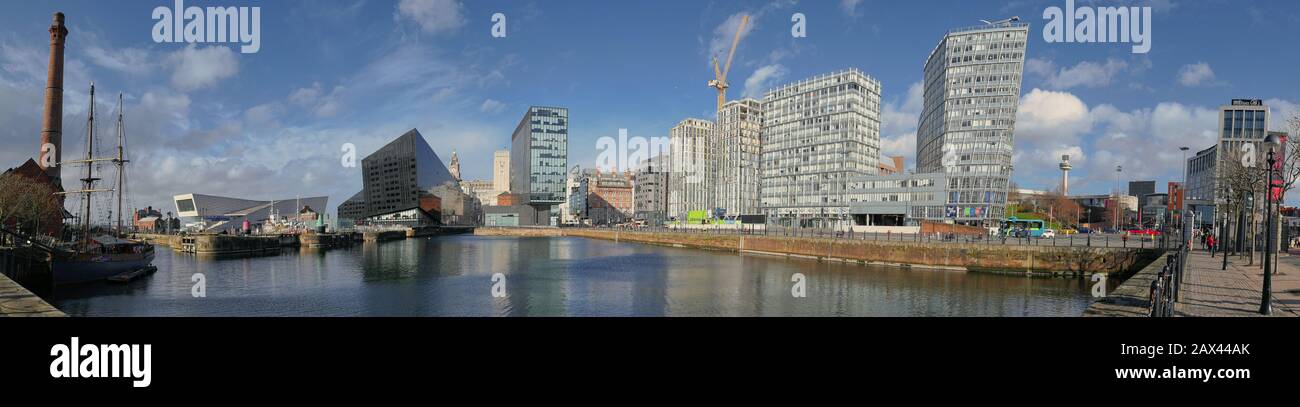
(720, 75)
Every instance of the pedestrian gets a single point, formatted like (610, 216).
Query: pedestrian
(1209, 242)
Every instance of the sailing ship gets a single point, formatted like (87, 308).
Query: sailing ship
(97, 258)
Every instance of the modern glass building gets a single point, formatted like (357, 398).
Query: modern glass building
(817, 134)
(539, 157)
(694, 168)
(966, 129)
(739, 149)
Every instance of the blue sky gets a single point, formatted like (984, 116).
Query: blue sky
(205, 118)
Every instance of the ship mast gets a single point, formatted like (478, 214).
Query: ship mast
(88, 183)
(120, 161)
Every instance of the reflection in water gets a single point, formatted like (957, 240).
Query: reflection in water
(452, 275)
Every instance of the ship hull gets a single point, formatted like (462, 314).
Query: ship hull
(86, 269)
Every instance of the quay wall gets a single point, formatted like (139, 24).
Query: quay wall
(1046, 260)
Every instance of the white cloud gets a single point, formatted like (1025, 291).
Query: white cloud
(134, 61)
(723, 35)
(1086, 74)
(1195, 74)
(1048, 116)
(850, 7)
(197, 68)
(491, 106)
(315, 99)
(433, 16)
(764, 78)
(898, 123)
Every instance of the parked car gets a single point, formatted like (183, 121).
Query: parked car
(1048, 234)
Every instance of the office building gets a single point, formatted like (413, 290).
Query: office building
(966, 128)
(650, 195)
(817, 134)
(539, 158)
(396, 183)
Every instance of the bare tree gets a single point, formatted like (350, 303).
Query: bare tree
(26, 205)
(1245, 182)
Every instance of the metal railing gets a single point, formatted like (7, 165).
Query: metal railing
(1166, 287)
(1109, 240)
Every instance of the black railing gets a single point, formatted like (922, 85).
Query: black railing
(1166, 287)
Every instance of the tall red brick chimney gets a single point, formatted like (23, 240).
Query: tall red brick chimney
(52, 129)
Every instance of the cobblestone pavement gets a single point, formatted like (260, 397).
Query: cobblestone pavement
(16, 301)
(1209, 291)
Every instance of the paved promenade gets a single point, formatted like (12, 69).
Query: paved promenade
(1209, 291)
(16, 301)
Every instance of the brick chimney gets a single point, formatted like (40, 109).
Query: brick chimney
(52, 129)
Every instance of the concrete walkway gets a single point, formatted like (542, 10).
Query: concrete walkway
(16, 301)
(1209, 291)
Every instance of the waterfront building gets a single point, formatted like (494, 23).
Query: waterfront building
(397, 179)
(1243, 121)
(740, 123)
(539, 158)
(454, 166)
(501, 170)
(966, 128)
(212, 213)
(609, 197)
(456, 207)
(650, 195)
(896, 199)
(817, 134)
(482, 190)
(694, 168)
(1202, 170)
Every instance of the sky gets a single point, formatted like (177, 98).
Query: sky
(207, 118)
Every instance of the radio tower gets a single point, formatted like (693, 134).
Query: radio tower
(1065, 175)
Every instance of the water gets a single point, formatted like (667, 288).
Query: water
(560, 276)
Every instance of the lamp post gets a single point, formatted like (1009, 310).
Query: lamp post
(1223, 232)
(1272, 141)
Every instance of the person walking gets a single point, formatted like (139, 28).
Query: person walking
(1209, 242)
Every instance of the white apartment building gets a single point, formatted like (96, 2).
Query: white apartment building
(694, 168)
(739, 156)
(817, 134)
(972, 91)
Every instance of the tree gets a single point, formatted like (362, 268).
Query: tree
(27, 205)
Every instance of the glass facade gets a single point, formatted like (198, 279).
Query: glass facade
(816, 135)
(539, 156)
(966, 129)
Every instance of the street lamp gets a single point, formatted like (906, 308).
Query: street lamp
(1223, 232)
(1272, 141)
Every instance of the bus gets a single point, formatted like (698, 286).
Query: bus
(1033, 227)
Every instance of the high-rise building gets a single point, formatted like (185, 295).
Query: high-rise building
(1244, 126)
(972, 91)
(539, 158)
(740, 123)
(694, 168)
(817, 134)
(501, 170)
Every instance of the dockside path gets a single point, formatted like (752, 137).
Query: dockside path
(16, 301)
(1210, 291)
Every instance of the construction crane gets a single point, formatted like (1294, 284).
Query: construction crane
(720, 75)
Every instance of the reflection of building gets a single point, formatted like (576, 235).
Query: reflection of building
(455, 206)
(539, 158)
(570, 210)
(218, 213)
(738, 154)
(396, 184)
(972, 89)
(818, 133)
(482, 190)
(694, 162)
